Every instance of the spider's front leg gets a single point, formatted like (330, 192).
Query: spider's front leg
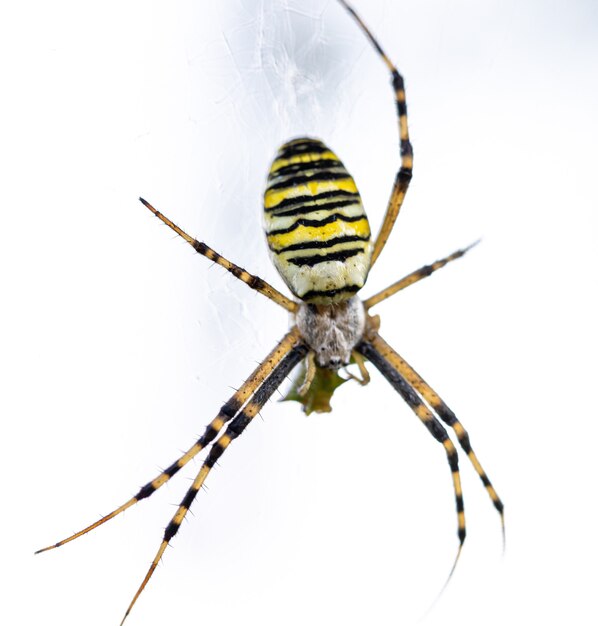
(403, 177)
(255, 282)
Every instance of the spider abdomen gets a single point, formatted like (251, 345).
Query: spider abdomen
(317, 230)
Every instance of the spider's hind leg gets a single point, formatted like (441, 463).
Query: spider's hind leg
(226, 413)
(233, 430)
(370, 350)
(443, 412)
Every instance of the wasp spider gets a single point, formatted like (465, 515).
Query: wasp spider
(320, 242)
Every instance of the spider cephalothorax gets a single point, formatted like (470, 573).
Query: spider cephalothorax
(332, 331)
(320, 241)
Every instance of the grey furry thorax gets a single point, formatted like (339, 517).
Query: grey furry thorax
(332, 331)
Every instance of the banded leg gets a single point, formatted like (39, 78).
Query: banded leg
(387, 369)
(234, 429)
(404, 174)
(255, 282)
(414, 277)
(227, 412)
(443, 412)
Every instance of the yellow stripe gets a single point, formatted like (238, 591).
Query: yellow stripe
(224, 440)
(424, 415)
(448, 446)
(320, 233)
(251, 409)
(180, 515)
(457, 483)
(275, 196)
(302, 158)
(158, 482)
(476, 464)
(218, 423)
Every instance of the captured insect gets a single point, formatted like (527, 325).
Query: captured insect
(320, 242)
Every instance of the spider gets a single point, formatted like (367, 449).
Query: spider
(320, 242)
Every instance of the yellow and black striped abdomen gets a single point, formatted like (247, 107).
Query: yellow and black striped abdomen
(317, 230)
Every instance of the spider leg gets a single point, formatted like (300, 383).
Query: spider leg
(310, 373)
(443, 412)
(234, 429)
(255, 282)
(363, 371)
(403, 176)
(371, 352)
(227, 412)
(414, 277)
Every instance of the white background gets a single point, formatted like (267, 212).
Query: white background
(119, 344)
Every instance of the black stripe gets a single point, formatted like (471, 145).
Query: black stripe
(309, 145)
(171, 470)
(397, 81)
(443, 411)
(216, 451)
(464, 441)
(145, 492)
(230, 408)
(408, 394)
(305, 165)
(399, 85)
(259, 398)
(329, 293)
(309, 245)
(308, 198)
(238, 425)
(189, 497)
(200, 247)
(171, 530)
(318, 177)
(438, 432)
(327, 220)
(341, 255)
(228, 411)
(310, 207)
(453, 459)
